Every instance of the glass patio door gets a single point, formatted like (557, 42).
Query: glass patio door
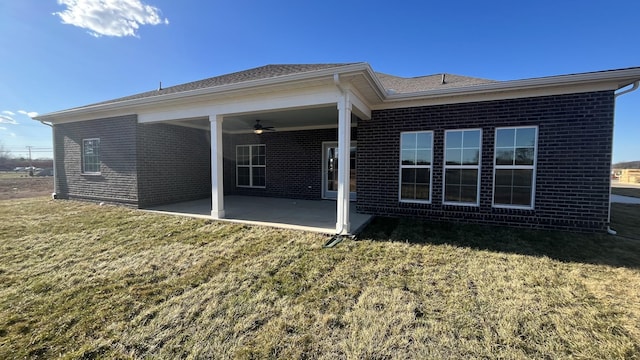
(330, 170)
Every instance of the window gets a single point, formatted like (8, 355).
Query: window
(250, 166)
(416, 156)
(91, 156)
(515, 166)
(462, 166)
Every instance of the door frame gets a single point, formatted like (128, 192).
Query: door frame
(333, 195)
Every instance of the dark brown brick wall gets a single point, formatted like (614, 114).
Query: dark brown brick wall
(117, 182)
(573, 168)
(174, 164)
(293, 164)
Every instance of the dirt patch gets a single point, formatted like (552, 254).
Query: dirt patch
(24, 187)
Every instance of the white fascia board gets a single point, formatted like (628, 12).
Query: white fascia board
(81, 112)
(293, 99)
(555, 85)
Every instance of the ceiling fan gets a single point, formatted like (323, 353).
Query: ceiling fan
(259, 129)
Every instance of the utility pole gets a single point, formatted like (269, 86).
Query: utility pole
(30, 161)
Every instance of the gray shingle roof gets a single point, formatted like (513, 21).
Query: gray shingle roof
(400, 85)
(262, 72)
(393, 84)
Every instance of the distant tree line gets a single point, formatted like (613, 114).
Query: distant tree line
(8, 162)
(627, 165)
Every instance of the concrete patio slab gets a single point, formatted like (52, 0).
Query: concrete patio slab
(308, 215)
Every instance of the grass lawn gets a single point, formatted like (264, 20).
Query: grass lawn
(82, 281)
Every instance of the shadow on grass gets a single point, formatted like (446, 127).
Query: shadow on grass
(601, 249)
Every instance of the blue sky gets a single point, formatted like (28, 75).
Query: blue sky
(58, 54)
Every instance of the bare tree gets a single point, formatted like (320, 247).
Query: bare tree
(5, 156)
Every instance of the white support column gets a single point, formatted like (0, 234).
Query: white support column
(217, 178)
(343, 225)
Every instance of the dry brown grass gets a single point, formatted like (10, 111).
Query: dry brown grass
(82, 281)
(16, 185)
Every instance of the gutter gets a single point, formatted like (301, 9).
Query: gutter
(635, 86)
(54, 195)
(560, 80)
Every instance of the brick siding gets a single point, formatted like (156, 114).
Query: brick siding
(117, 182)
(174, 164)
(293, 162)
(573, 167)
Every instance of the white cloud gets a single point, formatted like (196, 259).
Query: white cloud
(10, 113)
(109, 17)
(5, 119)
(28, 113)
(3, 128)
(12, 134)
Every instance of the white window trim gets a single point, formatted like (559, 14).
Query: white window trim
(82, 157)
(461, 167)
(533, 167)
(430, 167)
(251, 166)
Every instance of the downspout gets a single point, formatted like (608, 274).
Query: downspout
(635, 86)
(54, 195)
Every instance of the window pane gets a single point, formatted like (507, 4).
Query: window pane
(522, 196)
(424, 140)
(408, 157)
(524, 156)
(470, 156)
(242, 155)
(526, 137)
(452, 177)
(243, 176)
(469, 177)
(424, 157)
(423, 180)
(505, 137)
(504, 156)
(513, 187)
(258, 155)
(471, 139)
(258, 176)
(453, 157)
(468, 194)
(504, 177)
(408, 176)
(452, 193)
(422, 176)
(408, 141)
(407, 191)
(422, 192)
(453, 139)
(502, 195)
(522, 177)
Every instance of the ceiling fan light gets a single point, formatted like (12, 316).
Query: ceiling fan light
(257, 131)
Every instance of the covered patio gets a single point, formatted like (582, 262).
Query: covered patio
(272, 141)
(308, 215)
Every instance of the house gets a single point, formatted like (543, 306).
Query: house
(529, 153)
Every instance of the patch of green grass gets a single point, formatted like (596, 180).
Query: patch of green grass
(83, 281)
(626, 191)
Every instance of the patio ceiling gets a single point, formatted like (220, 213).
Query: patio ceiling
(283, 120)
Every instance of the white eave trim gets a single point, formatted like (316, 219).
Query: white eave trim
(614, 78)
(224, 89)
